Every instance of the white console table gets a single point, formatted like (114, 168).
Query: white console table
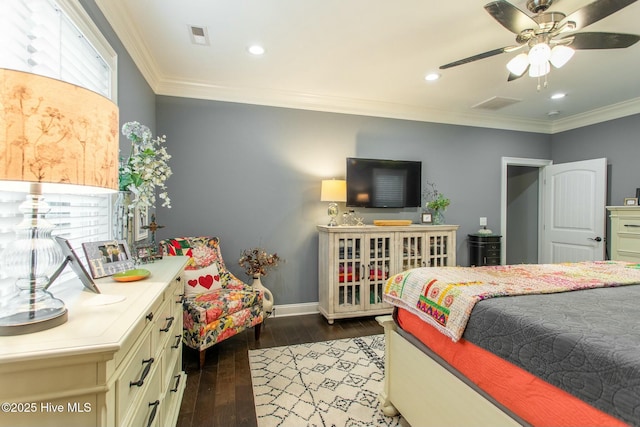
(110, 364)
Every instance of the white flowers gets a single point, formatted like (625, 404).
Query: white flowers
(146, 168)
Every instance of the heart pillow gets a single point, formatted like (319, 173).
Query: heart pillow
(201, 281)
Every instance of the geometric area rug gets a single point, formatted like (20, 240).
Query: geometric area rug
(330, 383)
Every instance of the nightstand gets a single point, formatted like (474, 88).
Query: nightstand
(484, 249)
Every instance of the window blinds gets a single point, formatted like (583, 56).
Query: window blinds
(40, 37)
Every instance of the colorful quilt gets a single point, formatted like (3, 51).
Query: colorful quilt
(445, 296)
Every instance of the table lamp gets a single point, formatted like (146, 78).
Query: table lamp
(59, 138)
(333, 191)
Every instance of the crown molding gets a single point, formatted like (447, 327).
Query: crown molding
(133, 42)
(333, 104)
(599, 115)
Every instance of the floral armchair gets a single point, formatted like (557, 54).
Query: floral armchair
(217, 305)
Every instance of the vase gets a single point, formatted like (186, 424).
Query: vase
(438, 217)
(122, 221)
(267, 302)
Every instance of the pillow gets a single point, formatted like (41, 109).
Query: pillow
(201, 281)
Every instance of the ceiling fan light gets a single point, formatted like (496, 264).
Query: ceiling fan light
(539, 70)
(539, 54)
(560, 55)
(518, 64)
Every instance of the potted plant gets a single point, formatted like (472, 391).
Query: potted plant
(437, 203)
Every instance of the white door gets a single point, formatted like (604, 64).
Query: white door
(574, 211)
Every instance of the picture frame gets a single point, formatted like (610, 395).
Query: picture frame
(427, 218)
(144, 254)
(631, 201)
(141, 220)
(108, 257)
(72, 258)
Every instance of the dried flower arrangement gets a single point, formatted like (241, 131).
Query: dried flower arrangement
(256, 261)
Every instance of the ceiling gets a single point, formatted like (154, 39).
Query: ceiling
(370, 57)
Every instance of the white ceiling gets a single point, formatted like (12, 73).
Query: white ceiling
(370, 57)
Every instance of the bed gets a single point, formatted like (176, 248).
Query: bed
(563, 348)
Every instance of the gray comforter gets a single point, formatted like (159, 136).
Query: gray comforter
(584, 342)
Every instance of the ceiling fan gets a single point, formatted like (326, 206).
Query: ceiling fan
(544, 37)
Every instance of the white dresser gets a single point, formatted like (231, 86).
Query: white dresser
(625, 233)
(111, 364)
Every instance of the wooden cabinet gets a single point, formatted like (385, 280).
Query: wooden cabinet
(484, 249)
(625, 233)
(355, 262)
(117, 361)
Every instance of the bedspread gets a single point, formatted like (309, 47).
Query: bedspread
(445, 296)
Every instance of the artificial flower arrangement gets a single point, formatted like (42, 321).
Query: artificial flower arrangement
(436, 201)
(146, 167)
(256, 261)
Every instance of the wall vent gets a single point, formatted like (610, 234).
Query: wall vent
(199, 35)
(496, 103)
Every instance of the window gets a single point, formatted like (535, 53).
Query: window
(58, 39)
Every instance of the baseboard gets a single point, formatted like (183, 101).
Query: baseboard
(295, 309)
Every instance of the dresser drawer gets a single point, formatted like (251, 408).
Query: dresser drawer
(629, 225)
(135, 377)
(163, 323)
(148, 412)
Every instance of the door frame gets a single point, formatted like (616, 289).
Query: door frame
(519, 161)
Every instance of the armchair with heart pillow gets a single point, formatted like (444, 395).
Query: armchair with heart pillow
(217, 305)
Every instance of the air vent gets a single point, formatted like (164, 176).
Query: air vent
(496, 103)
(199, 35)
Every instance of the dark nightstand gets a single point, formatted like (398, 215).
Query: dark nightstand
(484, 249)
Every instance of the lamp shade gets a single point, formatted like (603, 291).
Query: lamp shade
(560, 55)
(56, 134)
(333, 190)
(518, 65)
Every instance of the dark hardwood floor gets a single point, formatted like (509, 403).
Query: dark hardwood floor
(220, 394)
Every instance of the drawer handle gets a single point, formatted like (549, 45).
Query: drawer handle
(153, 412)
(632, 225)
(166, 329)
(145, 372)
(178, 339)
(175, 389)
(150, 316)
(179, 279)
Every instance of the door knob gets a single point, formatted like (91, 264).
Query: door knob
(597, 239)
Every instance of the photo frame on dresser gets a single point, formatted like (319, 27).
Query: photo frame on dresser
(631, 201)
(108, 257)
(426, 218)
(72, 258)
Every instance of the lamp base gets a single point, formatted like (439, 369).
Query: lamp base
(26, 313)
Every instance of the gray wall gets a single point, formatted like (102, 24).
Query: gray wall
(251, 175)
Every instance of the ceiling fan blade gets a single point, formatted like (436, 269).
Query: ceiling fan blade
(483, 55)
(601, 40)
(510, 17)
(595, 11)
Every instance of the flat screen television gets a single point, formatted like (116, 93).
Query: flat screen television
(378, 183)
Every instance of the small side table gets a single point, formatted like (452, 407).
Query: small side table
(484, 249)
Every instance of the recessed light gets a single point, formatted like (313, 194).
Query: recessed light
(256, 50)
(558, 95)
(432, 77)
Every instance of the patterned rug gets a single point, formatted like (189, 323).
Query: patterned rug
(331, 383)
